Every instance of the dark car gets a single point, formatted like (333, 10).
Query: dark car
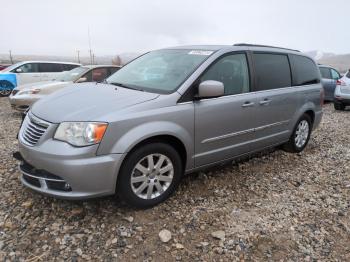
(329, 81)
(2, 67)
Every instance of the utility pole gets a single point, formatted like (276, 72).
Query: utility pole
(11, 57)
(90, 51)
(78, 51)
(93, 58)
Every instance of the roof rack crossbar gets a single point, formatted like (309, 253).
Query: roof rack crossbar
(244, 44)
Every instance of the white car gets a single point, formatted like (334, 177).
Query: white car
(342, 92)
(30, 72)
(24, 96)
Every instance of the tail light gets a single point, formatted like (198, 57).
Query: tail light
(340, 83)
(322, 97)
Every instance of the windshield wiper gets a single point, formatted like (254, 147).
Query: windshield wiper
(124, 86)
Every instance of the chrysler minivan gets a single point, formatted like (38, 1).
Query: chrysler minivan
(137, 134)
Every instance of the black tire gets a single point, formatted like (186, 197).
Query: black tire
(124, 187)
(291, 146)
(339, 106)
(7, 88)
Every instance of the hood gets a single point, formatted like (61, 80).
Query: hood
(42, 85)
(87, 102)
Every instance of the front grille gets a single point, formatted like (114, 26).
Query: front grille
(345, 90)
(33, 129)
(31, 180)
(39, 173)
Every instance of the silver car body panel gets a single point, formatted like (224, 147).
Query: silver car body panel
(211, 130)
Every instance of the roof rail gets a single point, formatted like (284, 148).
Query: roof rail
(244, 44)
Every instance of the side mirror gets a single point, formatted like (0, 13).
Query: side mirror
(82, 80)
(210, 88)
(19, 70)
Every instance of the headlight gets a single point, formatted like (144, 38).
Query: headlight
(81, 133)
(29, 92)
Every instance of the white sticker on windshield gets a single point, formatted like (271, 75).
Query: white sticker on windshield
(200, 52)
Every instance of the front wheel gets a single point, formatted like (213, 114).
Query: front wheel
(300, 136)
(149, 175)
(5, 88)
(339, 106)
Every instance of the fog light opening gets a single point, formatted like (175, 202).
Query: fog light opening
(67, 187)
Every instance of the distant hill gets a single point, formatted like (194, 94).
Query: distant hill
(340, 62)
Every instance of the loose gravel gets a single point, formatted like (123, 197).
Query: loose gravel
(275, 206)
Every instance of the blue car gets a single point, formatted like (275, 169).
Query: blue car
(31, 72)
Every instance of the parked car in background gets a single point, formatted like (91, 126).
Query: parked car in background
(25, 95)
(342, 92)
(329, 81)
(136, 135)
(30, 72)
(2, 67)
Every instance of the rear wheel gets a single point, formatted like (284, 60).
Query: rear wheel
(300, 136)
(5, 88)
(339, 106)
(149, 175)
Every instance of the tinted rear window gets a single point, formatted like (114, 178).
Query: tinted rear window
(67, 67)
(325, 72)
(272, 71)
(305, 71)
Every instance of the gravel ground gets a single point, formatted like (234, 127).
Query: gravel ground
(276, 206)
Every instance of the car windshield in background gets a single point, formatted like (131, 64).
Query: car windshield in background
(348, 74)
(160, 71)
(72, 75)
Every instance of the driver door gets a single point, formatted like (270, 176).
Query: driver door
(27, 73)
(224, 126)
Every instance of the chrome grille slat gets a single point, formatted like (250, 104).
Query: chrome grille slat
(33, 129)
(37, 128)
(33, 133)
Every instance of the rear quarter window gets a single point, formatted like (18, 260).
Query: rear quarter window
(272, 71)
(305, 71)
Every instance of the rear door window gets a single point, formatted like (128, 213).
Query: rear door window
(305, 71)
(272, 71)
(325, 72)
(50, 67)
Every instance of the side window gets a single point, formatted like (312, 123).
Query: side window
(348, 74)
(99, 74)
(325, 72)
(335, 74)
(68, 67)
(28, 68)
(88, 76)
(232, 71)
(112, 70)
(272, 71)
(50, 68)
(305, 71)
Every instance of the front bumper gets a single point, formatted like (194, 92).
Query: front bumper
(67, 172)
(22, 102)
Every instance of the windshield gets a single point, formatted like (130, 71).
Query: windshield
(72, 75)
(160, 71)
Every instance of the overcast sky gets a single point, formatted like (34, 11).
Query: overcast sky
(60, 27)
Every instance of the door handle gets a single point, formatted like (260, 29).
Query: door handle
(248, 104)
(265, 102)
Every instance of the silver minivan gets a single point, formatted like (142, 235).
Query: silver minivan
(167, 113)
